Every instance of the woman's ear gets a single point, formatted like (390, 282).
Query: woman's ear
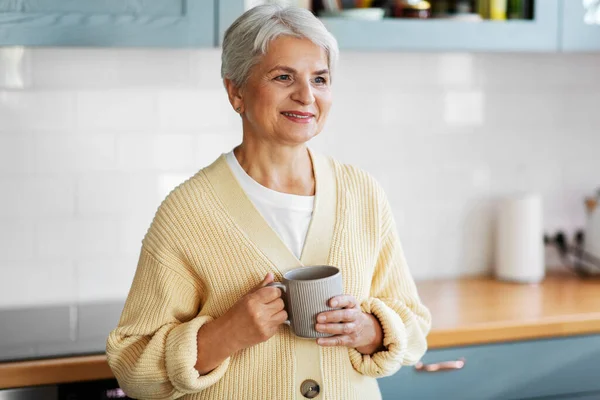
(235, 95)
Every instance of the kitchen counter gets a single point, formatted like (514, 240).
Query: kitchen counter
(483, 310)
(465, 312)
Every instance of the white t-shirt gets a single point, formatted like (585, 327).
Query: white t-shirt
(288, 214)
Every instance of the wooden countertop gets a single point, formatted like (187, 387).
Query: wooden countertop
(465, 312)
(484, 310)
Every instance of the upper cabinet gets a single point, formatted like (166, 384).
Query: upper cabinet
(577, 34)
(116, 23)
(441, 34)
(538, 34)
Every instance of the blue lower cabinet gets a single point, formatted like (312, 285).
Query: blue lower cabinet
(574, 396)
(116, 23)
(555, 368)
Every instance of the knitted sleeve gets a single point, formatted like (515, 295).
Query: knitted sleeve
(153, 350)
(394, 301)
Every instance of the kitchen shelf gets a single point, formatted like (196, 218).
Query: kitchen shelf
(537, 35)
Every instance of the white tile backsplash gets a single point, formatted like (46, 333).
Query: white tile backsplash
(92, 140)
(37, 282)
(35, 197)
(31, 109)
(73, 152)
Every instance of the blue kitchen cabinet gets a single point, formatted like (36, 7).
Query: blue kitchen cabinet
(228, 11)
(565, 368)
(116, 23)
(576, 35)
(537, 35)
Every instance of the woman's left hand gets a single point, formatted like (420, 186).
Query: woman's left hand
(350, 326)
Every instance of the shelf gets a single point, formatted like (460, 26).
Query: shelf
(538, 35)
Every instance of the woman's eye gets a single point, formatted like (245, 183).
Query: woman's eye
(320, 80)
(283, 78)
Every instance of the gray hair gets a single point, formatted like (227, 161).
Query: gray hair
(247, 39)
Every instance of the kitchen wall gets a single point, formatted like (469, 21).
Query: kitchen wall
(91, 140)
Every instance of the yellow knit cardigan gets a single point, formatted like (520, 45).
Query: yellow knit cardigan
(208, 246)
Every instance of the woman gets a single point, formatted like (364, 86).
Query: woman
(200, 321)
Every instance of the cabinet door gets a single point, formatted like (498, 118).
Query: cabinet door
(576, 35)
(519, 370)
(538, 35)
(228, 11)
(161, 23)
(574, 396)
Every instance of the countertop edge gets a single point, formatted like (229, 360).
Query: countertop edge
(506, 332)
(52, 371)
(94, 367)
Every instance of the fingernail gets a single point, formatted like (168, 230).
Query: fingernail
(334, 303)
(321, 318)
(319, 327)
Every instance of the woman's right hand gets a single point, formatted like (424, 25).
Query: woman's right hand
(252, 320)
(256, 317)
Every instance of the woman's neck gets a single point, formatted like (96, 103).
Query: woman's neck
(283, 169)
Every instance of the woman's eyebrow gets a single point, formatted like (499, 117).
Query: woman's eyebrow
(293, 71)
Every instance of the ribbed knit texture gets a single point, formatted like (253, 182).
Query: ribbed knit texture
(195, 263)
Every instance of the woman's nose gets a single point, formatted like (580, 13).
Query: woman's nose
(303, 93)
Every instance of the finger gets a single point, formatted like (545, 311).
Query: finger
(337, 329)
(280, 317)
(268, 279)
(276, 305)
(339, 340)
(268, 294)
(345, 315)
(343, 301)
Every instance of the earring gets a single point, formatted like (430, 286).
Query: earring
(238, 109)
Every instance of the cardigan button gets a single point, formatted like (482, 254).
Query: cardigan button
(310, 389)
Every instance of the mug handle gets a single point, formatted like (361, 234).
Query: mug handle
(284, 289)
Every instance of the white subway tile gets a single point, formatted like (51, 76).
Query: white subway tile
(74, 68)
(37, 282)
(579, 111)
(205, 69)
(186, 109)
(168, 182)
(117, 110)
(155, 68)
(36, 110)
(457, 70)
(37, 197)
(58, 153)
(157, 152)
(211, 146)
(131, 233)
(55, 239)
(464, 108)
(105, 278)
(16, 240)
(533, 109)
(16, 154)
(15, 67)
(95, 237)
(117, 194)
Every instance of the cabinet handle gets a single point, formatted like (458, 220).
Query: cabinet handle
(441, 366)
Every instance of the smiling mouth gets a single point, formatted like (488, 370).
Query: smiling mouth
(294, 115)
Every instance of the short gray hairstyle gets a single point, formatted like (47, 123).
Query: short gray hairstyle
(247, 39)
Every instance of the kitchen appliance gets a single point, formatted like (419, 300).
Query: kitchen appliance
(583, 257)
(589, 259)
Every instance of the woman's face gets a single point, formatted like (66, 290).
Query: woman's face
(287, 96)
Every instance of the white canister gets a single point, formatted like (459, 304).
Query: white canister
(519, 252)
